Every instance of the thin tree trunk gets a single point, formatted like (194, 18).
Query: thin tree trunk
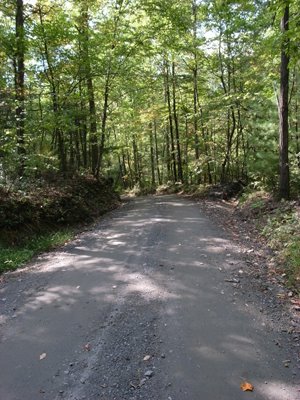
(157, 154)
(152, 159)
(230, 133)
(136, 162)
(103, 124)
(83, 127)
(178, 147)
(297, 133)
(86, 70)
(195, 83)
(283, 110)
(205, 139)
(58, 136)
(20, 86)
(168, 98)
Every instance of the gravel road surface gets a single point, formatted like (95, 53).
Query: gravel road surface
(151, 304)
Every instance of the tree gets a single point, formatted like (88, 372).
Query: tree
(19, 68)
(283, 107)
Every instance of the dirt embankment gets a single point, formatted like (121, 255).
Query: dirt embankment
(44, 207)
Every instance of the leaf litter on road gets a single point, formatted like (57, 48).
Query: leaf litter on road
(247, 387)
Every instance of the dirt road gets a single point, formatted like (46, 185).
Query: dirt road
(150, 305)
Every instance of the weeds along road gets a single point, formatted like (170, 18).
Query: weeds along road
(148, 305)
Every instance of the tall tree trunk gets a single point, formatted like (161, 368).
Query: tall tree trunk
(283, 109)
(231, 126)
(168, 98)
(20, 86)
(297, 130)
(137, 174)
(103, 123)
(152, 159)
(83, 127)
(58, 136)
(157, 153)
(205, 135)
(179, 162)
(86, 71)
(195, 81)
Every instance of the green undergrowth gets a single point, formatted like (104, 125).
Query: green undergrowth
(14, 256)
(282, 231)
(279, 224)
(37, 216)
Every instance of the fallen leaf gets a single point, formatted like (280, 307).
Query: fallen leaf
(247, 387)
(42, 356)
(87, 347)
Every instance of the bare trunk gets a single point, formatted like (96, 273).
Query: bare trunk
(157, 154)
(283, 110)
(179, 162)
(152, 159)
(58, 136)
(20, 86)
(87, 75)
(168, 98)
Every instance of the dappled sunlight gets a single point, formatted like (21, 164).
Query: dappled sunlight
(277, 390)
(53, 295)
(97, 273)
(245, 349)
(210, 353)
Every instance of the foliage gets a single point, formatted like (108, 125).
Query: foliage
(13, 257)
(283, 233)
(175, 95)
(26, 210)
(149, 92)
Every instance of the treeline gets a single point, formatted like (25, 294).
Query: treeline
(151, 91)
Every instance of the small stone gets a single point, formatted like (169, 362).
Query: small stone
(149, 373)
(142, 382)
(163, 356)
(146, 358)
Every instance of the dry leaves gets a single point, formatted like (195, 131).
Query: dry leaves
(87, 347)
(247, 387)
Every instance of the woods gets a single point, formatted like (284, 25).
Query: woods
(151, 92)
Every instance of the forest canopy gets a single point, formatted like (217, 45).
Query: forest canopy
(151, 91)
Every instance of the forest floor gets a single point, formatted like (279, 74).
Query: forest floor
(163, 299)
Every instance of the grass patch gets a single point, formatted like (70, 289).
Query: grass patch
(14, 256)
